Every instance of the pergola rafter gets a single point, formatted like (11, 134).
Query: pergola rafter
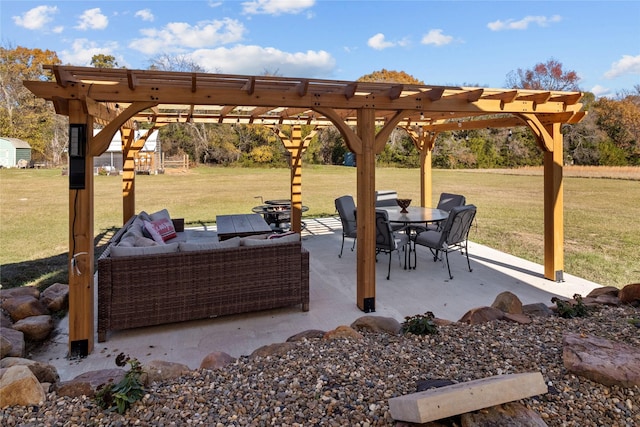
(365, 113)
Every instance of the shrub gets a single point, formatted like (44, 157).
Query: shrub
(420, 324)
(119, 397)
(570, 310)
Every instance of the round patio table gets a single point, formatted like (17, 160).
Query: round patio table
(415, 215)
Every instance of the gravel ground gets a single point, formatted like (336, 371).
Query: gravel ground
(349, 382)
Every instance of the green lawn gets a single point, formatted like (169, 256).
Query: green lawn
(602, 234)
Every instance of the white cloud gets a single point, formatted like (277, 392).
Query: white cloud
(599, 91)
(92, 19)
(276, 7)
(82, 50)
(36, 18)
(524, 23)
(177, 36)
(435, 37)
(252, 60)
(145, 15)
(378, 42)
(627, 65)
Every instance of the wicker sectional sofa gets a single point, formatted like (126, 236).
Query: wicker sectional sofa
(202, 278)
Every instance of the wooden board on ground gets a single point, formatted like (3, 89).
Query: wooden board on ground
(435, 404)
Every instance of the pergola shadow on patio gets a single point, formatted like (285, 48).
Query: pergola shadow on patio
(332, 290)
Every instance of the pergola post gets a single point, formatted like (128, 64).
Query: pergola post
(366, 219)
(424, 142)
(296, 146)
(128, 174)
(554, 208)
(81, 245)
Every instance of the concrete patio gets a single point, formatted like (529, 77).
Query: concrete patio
(332, 303)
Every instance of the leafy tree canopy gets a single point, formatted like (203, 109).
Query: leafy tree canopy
(544, 76)
(104, 61)
(390, 76)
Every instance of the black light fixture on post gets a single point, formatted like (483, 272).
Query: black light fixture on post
(77, 153)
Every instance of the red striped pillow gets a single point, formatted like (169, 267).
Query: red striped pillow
(161, 229)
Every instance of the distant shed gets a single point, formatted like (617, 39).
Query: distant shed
(14, 152)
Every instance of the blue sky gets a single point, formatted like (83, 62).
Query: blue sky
(438, 42)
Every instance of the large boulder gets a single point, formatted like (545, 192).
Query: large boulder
(23, 306)
(216, 360)
(512, 414)
(603, 290)
(537, 309)
(31, 291)
(56, 297)
(35, 328)
(88, 383)
(5, 347)
(479, 315)
(309, 334)
(342, 332)
(273, 350)
(508, 302)
(601, 360)
(387, 325)
(630, 294)
(44, 372)
(16, 338)
(160, 370)
(18, 386)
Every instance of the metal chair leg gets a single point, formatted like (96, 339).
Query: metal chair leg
(341, 247)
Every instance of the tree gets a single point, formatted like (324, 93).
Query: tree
(104, 61)
(22, 115)
(390, 76)
(621, 122)
(544, 76)
(165, 62)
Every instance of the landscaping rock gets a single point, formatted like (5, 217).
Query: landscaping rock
(160, 370)
(601, 360)
(342, 332)
(604, 290)
(23, 306)
(508, 302)
(5, 347)
(277, 349)
(89, 382)
(522, 319)
(56, 297)
(307, 335)
(537, 309)
(31, 291)
(479, 315)
(36, 328)
(217, 360)
(630, 294)
(511, 414)
(18, 386)
(5, 321)
(388, 325)
(16, 338)
(44, 372)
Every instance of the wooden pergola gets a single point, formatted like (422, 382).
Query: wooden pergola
(118, 100)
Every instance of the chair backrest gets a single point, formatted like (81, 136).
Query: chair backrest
(346, 208)
(384, 235)
(456, 229)
(449, 201)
